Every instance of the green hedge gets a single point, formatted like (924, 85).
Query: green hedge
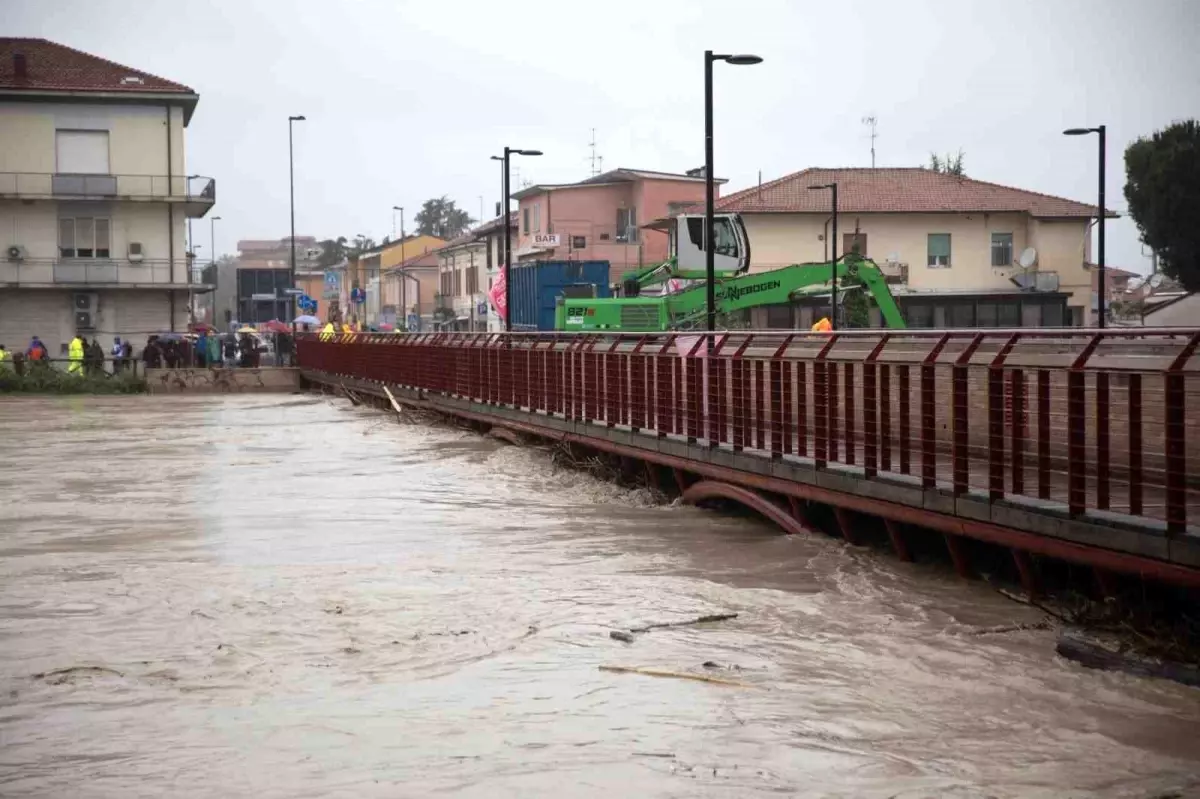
(52, 381)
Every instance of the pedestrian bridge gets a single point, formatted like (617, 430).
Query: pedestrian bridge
(1057, 445)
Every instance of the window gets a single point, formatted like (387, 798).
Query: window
(84, 237)
(939, 250)
(1002, 249)
(986, 312)
(537, 217)
(81, 152)
(779, 317)
(1052, 314)
(855, 242)
(627, 224)
(961, 314)
(525, 220)
(722, 233)
(1008, 314)
(919, 315)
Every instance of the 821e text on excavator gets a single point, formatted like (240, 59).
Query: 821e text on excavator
(681, 303)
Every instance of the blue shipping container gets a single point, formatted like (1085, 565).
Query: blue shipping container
(536, 286)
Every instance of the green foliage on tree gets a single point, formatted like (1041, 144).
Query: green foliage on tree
(441, 217)
(948, 164)
(333, 252)
(1162, 188)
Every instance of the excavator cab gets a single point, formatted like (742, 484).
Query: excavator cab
(731, 253)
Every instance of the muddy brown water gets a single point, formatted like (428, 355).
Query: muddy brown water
(289, 597)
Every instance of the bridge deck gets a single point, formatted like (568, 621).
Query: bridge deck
(1066, 436)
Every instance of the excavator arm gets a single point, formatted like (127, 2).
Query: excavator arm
(780, 286)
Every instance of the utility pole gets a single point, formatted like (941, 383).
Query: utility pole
(871, 122)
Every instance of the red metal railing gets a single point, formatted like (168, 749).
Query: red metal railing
(1089, 420)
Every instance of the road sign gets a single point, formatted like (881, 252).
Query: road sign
(263, 297)
(293, 292)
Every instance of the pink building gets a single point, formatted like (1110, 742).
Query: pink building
(600, 218)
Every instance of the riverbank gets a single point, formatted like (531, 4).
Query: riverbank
(53, 381)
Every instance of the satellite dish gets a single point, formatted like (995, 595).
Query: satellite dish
(1028, 258)
(1156, 280)
(1134, 284)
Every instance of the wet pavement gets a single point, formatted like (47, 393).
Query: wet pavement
(289, 597)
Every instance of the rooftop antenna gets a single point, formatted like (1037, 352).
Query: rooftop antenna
(760, 184)
(597, 160)
(871, 122)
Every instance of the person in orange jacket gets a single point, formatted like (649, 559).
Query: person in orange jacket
(823, 325)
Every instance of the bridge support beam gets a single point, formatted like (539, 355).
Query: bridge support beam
(714, 489)
(897, 537)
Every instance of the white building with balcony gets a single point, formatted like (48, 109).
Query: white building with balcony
(94, 198)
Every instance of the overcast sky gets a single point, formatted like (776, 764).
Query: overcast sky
(406, 100)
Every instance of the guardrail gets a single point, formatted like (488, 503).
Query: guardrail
(82, 273)
(1080, 420)
(185, 188)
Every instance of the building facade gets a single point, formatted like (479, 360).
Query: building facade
(263, 275)
(462, 284)
(950, 245)
(95, 195)
(600, 218)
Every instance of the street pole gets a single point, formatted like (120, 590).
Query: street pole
(709, 181)
(504, 264)
(1102, 272)
(831, 246)
(292, 205)
(212, 257)
(1102, 277)
(710, 269)
(833, 249)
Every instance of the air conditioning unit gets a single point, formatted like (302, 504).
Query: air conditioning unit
(16, 253)
(135, 252)
(87, 309)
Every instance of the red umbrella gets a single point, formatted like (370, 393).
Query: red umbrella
(275, 326)
(386, 327)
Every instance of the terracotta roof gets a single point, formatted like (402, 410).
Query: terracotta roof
(50, 66)
(424, 259)
(896, 190)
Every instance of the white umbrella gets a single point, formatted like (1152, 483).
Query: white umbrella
(307, 320)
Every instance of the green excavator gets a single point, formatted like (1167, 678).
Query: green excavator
(684, 307)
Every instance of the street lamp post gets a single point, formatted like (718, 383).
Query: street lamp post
(1100, 278)
(709, 192)
(832, 187)
(508, 153)
(292, 203)
(212, 256)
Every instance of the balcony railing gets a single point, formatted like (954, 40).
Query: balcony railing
(72, 272)
(47, 185)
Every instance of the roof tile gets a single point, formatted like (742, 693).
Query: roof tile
(896, 190)
(51, 66)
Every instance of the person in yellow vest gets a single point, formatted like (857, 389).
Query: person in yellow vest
(328, 332)
(823, 325)
(75, 354)
(5, 359)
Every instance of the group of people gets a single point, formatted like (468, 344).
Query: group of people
(87, 358)
(173, 351)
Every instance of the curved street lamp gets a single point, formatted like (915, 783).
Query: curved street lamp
(1101, 275)
(709, 263)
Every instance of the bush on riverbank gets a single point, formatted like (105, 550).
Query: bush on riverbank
(52, 381)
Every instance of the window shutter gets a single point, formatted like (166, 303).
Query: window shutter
(939, 244)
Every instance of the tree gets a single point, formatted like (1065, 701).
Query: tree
(948, 164)
(441, 217)
(1162, 188)
(333, 252)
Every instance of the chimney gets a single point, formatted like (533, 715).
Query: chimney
(20, 67)
(698, 172)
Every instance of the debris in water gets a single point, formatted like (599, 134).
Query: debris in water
(681, 675)
(697, 620)
(621, 635)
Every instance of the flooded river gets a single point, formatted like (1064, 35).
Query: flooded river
(290, 597)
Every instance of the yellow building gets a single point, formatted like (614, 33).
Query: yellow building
(949, 244)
